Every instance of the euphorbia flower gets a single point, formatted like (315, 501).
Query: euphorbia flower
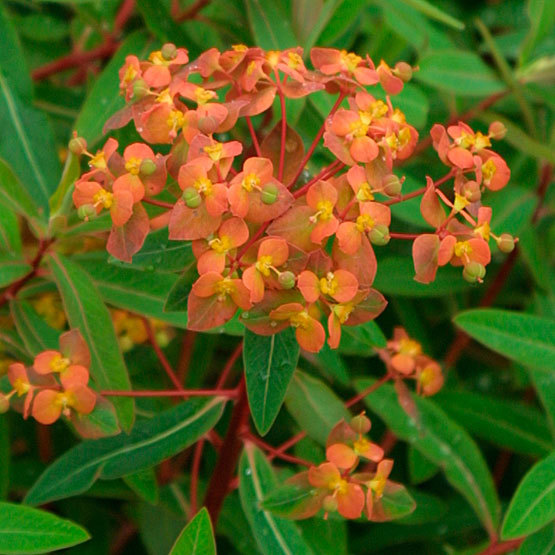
(50, 404)
(212, 254)
(272, 253)
(349, 496)
(96, 198)
(322, 197)
(376, 487)
(349, 234)
(331, 61)
(19, 380)
(198, 212)
(221, 154)
(356, 177)
(340, 285)
(255, 195)
(157, 72)
(210, 115)
(391, 83)
(429, 377)
(214, 299)
(405, 352)
(309, 332)
(494, 170)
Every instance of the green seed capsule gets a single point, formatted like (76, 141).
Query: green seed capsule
(191, 197)
(140, 89)
(403, 71)
(4, 404)
(269, 193)
(169, 51)
(148, 167)
(87, 212)
(287, 280)
(329, 504)
(506, 242)
(473, 272)
(391, 185)
(77, 145)
(379, 235)
(361, 424)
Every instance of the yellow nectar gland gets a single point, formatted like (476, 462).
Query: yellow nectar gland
(377, 110)
(350, 60)
(251, 181)
(410, 347)
(203, 95)
(203, 185)
(65, 400)
(377, 485)
(324, 211)
(220, 245)
(329, 285)
(483, 231)
(130, 74)
(294, 60)
(98, 161)
(343, 311)
(300, 320)
(157, 59)
(272, 56)
(21, 387)
(240, 47)
(460, 202)
(361, 446)
(365, 223)
(133, 165)
(59, 363)
(175, 120)
(364, 192)
(398, 116)
(224, 288)
(103, 198)
(462, 249)
(164, 97)
(214, 151)
(358, 128)
(264, 264)
(398, 141)
(338, 485)
(427, 376)
(488, 170)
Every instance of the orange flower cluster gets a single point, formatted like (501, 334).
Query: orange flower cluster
(56, 384)
(284, 253)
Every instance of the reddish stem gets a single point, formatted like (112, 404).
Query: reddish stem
(275, 452)
(124, 13)
(191, 12)
(195, 469)
(326, 173)
(229, 365)
(283, 126)
(229, 455)
(407, 236)
(503, 547)
(253, 136)
(158, 203)
(187, 347)
(376, 385)
(231, 393)
(316, 140)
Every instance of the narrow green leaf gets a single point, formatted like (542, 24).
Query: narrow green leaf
(541, 542)
(429, 508)
(326, 13)
(314, 406)
(104, 98)
(144, 484)
(197, 537)
(533, 504)
(159, 21)
(460, 72)
(505, 423)
(527, 339)
(36, 334)
(12, 268)
(71, 171)
(10, 238)
(542, 19)
(150, 442)
(444, 443)
(362, 340)
(273, 534)
(269, 365)
(5, 457)
(269, 25)
(86, 311)
(178, 295)
(435, 13)
(27, 530)
(420, 468)
(320, 534)
(544, 383)
(512, 210)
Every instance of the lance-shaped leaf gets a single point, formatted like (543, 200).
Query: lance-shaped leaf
(144, 484)
(150, 442)
(269, 25)
(540, 543)
(27, 530)
(179, 292)
(297, 498)
(12, 268)
(527, 339)
(269, 365)
(256, 480)
(444, 443)
(5, 454)
(533, 504)
(10, 238)
(32, 329)
(197, 537)
(86, 311)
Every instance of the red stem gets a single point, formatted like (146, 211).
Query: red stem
(158, 203)
(195, 469)
(191, 12)
(229, 365)
(231, 393)
(253, 136)
(503, 547)
(273, 451)
(283, 127)
(407, 236)
(353, 400)
(326, 173)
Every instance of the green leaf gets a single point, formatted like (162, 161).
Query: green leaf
(5, 456)
(179, 292)
(544, 383)
(420, 468)
(314, 406)
(329, 362)
(533, 504)
(269, 365)
(432, 12)
(10, 238)
(160, 254)
(429, 508)
(142, 292)
(104, 99)
(273, 534)
(396, 502)
(512, 210)
(460, 72)
(542, 19)
(412, 101)
(144, 484)
(28, 143)
(197, 537)
(70, 173)
(444, 443)
(269, 25)
(27, 530)
(505, 423)
(320, 534)
(12, 268)
(290, 500)
(527, 339)
(150, 442)
(36, 334)
(396, 277)
(159, 21)
(324, 16)
(362, 340)
(534, 256)
(540, 543)
(86, 311)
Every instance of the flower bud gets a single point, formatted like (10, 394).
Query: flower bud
(506, 243)
(287, 280)
(4, 403)
(403, 71)
(471, 191)
(497, 130)
(140, 89)
(361, 424)
(379, 235)
(269, 193)
(329, 504)
(87, 212)
(391, 185)
(473, 272)
(148, 167)
(77, 145)
(162, 338)
(169, 51)
(191, 197)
